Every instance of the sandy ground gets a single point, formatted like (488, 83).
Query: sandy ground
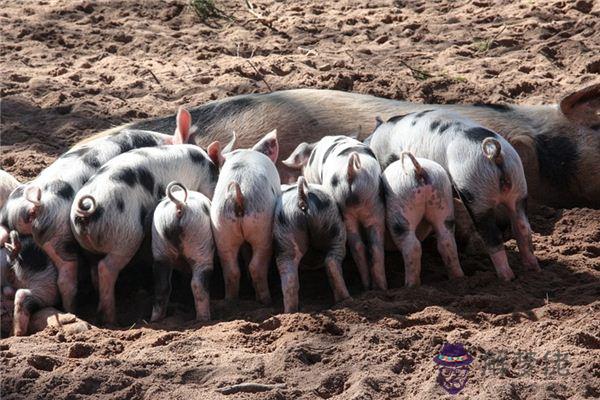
(70, 69)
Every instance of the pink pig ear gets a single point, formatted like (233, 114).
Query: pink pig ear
(214, 153)
(184, 125)
(269, 145)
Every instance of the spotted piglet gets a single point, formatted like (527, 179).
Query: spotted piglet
(242, 211)
(182, 238)
(109, 213)
(306, 217)
(349, 171)
(485, 170)
(34, 277)
(41, 207)
(415, 191)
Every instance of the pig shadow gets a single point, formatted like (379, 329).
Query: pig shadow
(479, 292)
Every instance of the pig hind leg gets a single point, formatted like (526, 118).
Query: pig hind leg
(404, 236)
(443, 224)
(290, 284)
(25, 304)
(376, 234)
(228, 242)
(259, 268)
(162, 272)
(522, 232)
(201, 273)
(66, 263)
(485, 224)
(357, 249)
(288, 253)
(333, 265)
(108, 272)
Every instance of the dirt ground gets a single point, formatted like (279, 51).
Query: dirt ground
(70, 69)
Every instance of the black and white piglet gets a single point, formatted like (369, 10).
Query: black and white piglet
(182, 238)
(306, 217)
(349, 171)
(242, 212)
(484, 168)
(109, 212)
(33, 277)
(41, 207)
(415, 191)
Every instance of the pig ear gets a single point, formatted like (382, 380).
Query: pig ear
(269, 145)
(184, 126)
(229, 146)
(214, 153)
(583, 106)
(299, 157)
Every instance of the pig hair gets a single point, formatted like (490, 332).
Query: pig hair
(86, 208)
(239, 199)
(179, 204)
(353, 165)
(302, 195)
(419, 172)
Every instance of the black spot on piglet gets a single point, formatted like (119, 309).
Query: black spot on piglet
(317, 202)
(146, 179)
(125, 175)
(61, 189)
(478, 134)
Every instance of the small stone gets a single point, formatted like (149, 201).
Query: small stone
(324, 67)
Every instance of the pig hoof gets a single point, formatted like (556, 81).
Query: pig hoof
(157, 315)
(456, 275)
(203, 318)
(533, 265)
(265, 301)
(344, 299)
(19, 332)
(507, 276)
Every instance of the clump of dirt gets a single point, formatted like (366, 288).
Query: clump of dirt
(70, 69)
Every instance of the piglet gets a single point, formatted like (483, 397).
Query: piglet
(484, 168)
(414, 192)
(306, 217)
(242, 211)
(349, 171)
(34, 279)
(41, 207)
(182, 238)
(109, 213)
